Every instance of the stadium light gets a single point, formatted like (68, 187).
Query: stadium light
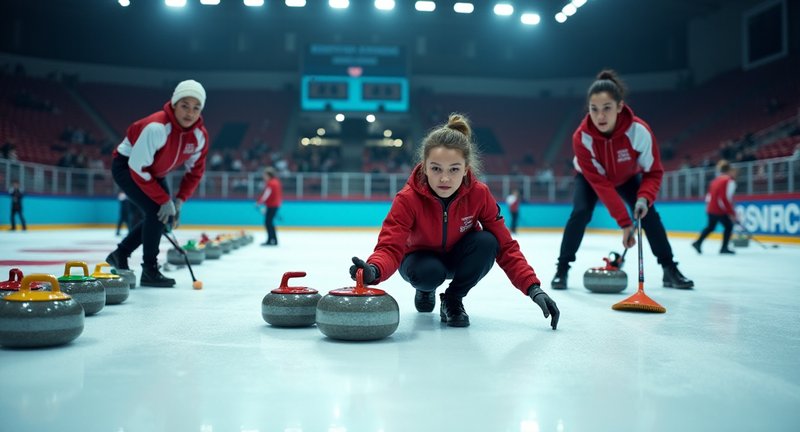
(124, 3)
(384, 4)
(370, 118)
(560, 17)
(503, 9)
(254, 3)
(175, 3)
(296, 3)
(530, 19)
(569, 9)
(340, 117)
(320, 131)
(387, 133)
(464, 7)
(425, 6)
(578, 3)
(209, 2)
(339, 4)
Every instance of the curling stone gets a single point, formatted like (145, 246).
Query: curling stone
(287, 306)
(224, 243)
(128, 275)
(740, 240)
(247, 238)
(117, 288)
(608, 279)
(39, 318)
(86, 290)
(14, 281)
(212, 247)
(357, 313)
(195, 253)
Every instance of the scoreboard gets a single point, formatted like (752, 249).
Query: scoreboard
(352, 77)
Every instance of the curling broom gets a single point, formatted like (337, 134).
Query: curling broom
(639, 302)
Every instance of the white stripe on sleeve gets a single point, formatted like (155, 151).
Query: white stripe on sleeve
(642, 142)
(152, 138)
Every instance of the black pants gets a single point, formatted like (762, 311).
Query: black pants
(14, 213)
(147, 232)
(725, 220)
(514, 221)
(583, 205)
(466, 264)
(269, 223)
(124, 215)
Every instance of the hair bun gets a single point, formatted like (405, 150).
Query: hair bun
(459, 123)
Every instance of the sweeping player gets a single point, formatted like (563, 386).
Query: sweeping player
(445, 224)
(153, 147)
(719, 206)
(617, 160)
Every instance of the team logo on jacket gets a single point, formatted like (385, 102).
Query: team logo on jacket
(467, 223)
(190, 148)
(623, 155)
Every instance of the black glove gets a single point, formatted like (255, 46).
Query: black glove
(546, 303)
(371, 272)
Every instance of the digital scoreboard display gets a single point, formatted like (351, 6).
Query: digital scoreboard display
(352, 77)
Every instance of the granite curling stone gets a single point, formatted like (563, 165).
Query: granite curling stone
(740, 240)
(213, 248)
(30, 319)
(86, 290)
(128, 275)
(117, 288)
(15, 281)
(357, 313)
(287, 306)
(609, 279)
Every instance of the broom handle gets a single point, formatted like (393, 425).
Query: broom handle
(639, 244)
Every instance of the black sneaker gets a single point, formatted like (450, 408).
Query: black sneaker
(452, 311)
(153, 278)
(696, 246)
(727, 251)
(674, 279)
(559, 281)
(118, 260)
(425, 301)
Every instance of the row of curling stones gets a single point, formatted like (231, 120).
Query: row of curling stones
(354, 313)
(31, 318)
(195, 254)
(117, 288)
(609, 279)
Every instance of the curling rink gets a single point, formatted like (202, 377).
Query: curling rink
(725, 356)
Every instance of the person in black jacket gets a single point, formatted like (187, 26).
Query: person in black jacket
(16, 206)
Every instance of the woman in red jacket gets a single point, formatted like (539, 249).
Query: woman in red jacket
(445, 224)
(271, 197)
(719, 206)
(618, 161)
(153, 147)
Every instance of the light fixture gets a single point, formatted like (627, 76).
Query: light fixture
(464, 7)
(296, 3)
(340, 117)
(254, 3)
(370, 118)
(560, 17)
(209, 2)
(175, 3)
(124, 3)
(569, 9)
(387, 133)
(530, 19)
(339, 4)
(503, 9)
(425, 6)
(578, 3)
(384, 4)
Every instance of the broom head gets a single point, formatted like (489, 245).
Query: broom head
(639, 302)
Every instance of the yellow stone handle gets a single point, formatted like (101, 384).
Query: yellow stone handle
(71, 264)
(26, 295)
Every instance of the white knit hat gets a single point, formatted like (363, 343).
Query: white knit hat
(189, 88)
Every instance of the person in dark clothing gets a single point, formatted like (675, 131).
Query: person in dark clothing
(445, 224)
(513, 200)
(153, 147)
(16, 206)
(617, 160)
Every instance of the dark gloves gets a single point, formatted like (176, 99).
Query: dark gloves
(371, 272)
(546, 303)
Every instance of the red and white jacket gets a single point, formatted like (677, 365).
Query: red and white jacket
(156, 145)
(418, 220)
(272, 195)
(607, 161)
(719, 199)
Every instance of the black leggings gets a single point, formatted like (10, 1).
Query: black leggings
(466, 264)
(147, 232)
(269, 223)
(713, 219)
(584, 201)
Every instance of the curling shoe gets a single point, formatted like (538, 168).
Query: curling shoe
(153, 278)
(674, 279)
(425, 301)
(559, 281)
(452, 311)
(118, 260)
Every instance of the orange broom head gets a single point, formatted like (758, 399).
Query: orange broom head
(639, 302)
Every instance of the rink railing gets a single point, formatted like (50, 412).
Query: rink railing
(768, 176)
